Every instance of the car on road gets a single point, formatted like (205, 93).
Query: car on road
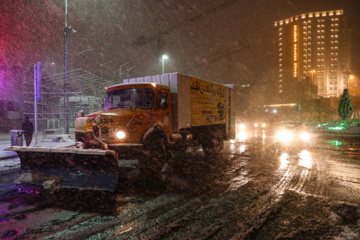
(293, 132)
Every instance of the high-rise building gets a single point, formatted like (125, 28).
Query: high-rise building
(313, 47)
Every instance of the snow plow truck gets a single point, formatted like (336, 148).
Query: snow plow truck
(143, 119)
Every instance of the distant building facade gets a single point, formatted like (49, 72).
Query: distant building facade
(313, 48)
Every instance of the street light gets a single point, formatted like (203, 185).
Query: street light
(163, 62)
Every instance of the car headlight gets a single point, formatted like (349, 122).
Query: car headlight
(284, 136)
(305, 136)
(120, 135)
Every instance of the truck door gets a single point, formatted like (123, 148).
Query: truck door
(163, 112)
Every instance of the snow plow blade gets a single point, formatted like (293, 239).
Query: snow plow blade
(69, 167)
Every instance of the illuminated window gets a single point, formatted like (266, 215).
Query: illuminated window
(324, 14)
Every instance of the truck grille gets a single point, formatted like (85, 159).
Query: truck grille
(108, 134)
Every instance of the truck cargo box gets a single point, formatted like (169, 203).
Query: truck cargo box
(196, 102)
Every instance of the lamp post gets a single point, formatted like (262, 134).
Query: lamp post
(311, 104)
(163, 58)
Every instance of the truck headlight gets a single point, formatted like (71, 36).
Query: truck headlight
(305, 136)
(120, 135)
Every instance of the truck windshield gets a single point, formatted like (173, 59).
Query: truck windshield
(130, 98)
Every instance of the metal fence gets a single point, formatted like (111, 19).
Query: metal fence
(85, 91)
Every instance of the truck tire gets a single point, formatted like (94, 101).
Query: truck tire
(213, 145)
(156, 157)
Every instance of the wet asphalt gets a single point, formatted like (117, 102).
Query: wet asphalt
(257, 188)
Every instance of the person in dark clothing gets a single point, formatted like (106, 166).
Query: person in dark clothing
(28, 129)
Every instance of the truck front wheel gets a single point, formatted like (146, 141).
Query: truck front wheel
(155, 157)
(213, 145)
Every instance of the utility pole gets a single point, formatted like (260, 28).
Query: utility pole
(66, 100)
(67, 29)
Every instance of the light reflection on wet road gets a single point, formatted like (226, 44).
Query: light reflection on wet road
(328, 167)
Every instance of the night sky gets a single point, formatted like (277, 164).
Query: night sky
(229, 41)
